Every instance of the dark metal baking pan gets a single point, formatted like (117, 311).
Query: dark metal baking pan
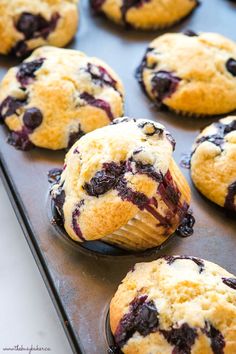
(82, 282)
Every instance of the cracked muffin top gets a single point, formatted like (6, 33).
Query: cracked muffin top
(190, 73)
(213, 162)
(109, 175)
(57, 95)
(175, 305)
(28, 24)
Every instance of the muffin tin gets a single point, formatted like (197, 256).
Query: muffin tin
(82, 279)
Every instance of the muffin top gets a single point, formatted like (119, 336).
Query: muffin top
(213, 162)
(176, 304)
(109, 175)
(28, 24)
(191, 73)
(144, 14)
(56, 95)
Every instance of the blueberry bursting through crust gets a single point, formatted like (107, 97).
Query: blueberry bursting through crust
(164, 83)
(143, 318)
(125, 6)
(32, 117)
(218, 139)
(33, 26)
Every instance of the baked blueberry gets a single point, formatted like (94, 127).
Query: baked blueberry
(231, 66)
(31, 24)
(32, 118)
(26, 71)
(162, 307)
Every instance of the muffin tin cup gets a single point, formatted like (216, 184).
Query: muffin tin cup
(82, 282)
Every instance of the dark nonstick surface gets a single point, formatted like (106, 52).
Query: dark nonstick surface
(82, 283)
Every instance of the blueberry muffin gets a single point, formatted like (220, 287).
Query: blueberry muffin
(57, 95)
(28, 24)
(213, 162)
(144, 14)
(175, 305)
(190, 73)
(121, 185)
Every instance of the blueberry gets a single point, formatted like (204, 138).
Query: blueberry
(126, 193)
(101, 183)
(216, 338)
(171, 140)
(27, 24)
(20, 140)
(231, 282)
(231, 66)
(141, 67)
(32, 118)
(185, 229)
(27, 71)
(101, 75)
(10, 106)
(182, 338)
(89, 99)
(219, 137)
(106, 179)
(127, 4)
(34, 26)
(150, 128)
(142, 318)
(200, 263)
(190, 33)
(170, 193)
(164, 84)
(230, 197)
(148, 170)
(59, 200)
(75, 224)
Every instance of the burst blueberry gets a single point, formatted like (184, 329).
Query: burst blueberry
(164, 84)
(142, 318)
(27, 71)
(32, 118)
(33, 26)
(231, 66)
(182, 338)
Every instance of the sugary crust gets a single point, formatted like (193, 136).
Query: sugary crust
(205, 85)
(213, 168)
(10, 11)
(181, 294)
(149, 14)
(56, 90)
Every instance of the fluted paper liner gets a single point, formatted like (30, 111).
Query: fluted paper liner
(147, 229)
